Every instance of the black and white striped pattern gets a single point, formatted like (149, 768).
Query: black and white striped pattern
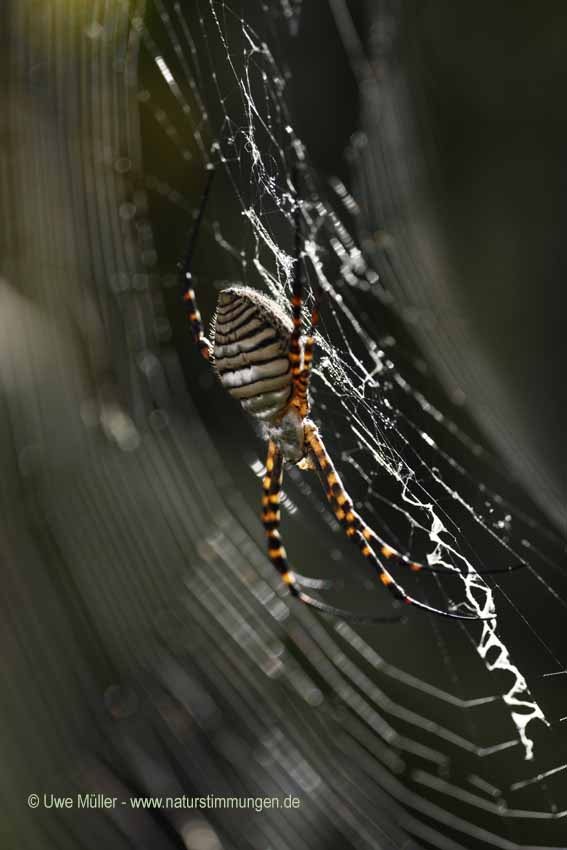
(250, 337)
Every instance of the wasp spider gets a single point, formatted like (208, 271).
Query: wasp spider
(262, 359)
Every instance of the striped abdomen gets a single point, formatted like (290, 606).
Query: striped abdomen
(250, 349)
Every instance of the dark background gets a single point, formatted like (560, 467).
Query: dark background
(143, 650)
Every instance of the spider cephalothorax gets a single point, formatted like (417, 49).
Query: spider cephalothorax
(262, 359)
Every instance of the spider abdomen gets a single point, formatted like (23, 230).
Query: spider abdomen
(250, 351)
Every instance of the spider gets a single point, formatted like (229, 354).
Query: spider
(264, 361)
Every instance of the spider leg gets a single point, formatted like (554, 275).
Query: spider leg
(299, 361)
(296, 302)
(302, 384)
(394, 556)
(272, 483)
(189, 297)
(337, 583)
(359, 532)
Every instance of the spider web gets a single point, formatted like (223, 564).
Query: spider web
(459, 744)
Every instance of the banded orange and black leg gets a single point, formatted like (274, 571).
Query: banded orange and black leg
(296, 302)
(357, 530)
(348, 518)
(271, 515)
(302, 383)
(300, 362)
(272, 483)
